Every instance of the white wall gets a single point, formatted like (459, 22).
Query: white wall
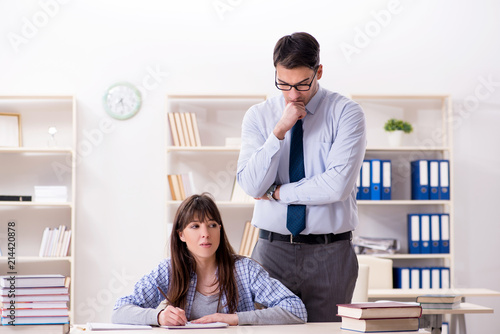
(82, 47)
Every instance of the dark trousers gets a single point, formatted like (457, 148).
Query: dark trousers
(321, 275)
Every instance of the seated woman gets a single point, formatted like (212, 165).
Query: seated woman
(205, 281)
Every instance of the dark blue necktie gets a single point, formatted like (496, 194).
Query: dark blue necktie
(296, 214)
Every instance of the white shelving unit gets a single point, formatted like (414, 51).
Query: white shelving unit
(38, 162)
(213, 164)
(431, 117)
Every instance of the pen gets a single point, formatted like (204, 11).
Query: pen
(163, 293)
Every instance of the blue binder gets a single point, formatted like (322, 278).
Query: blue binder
(414, 234)
(375, 175)
(425, 234)
(365, 180)
(435, 278)
(419, 180)
(425, 278)
(386, 179)
(433, 179)
(401, 277)
(435, 233)
(415, 278)
(445, 233)
(358, 184)
(444, 179)
(445, 278)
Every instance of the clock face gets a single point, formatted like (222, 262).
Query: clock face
(122, 101)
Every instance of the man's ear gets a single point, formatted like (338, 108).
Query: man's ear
(319, 74)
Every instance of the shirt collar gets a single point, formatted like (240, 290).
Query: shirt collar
(313, 103)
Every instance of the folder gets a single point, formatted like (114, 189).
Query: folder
(365, 180)
(414, 234)
(425, 234)
(435, 278)
(425, 278)
(444, 179)
(358, 184)
(435, 233)
(419, 180)
(386, 179)
(433, 179)
(375, 175)
(445, 278)
(415, 278)
(401, 278)
(445, 233)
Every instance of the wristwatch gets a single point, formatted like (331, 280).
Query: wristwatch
(270, 192)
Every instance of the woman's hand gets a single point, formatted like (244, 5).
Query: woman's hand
(231, 319)
(172, 316)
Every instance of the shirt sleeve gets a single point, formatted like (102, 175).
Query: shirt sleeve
(272, 294)
(259, 156)
(135, 315)
(342, 166)
(268, 316)
(146, 293)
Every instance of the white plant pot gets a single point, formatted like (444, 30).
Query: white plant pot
(395, 138)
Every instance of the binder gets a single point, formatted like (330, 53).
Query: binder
(444, 179)
(358, 185)
(386, 179)
(445, 233)
(425, 278)
(365, 180)
(425, 234)
(413, 233)
(401, 278)
(375, 175)
(419, 180)
(433, 179)
(435, 233)
(435, 278)
(415, 278)
(445, 278)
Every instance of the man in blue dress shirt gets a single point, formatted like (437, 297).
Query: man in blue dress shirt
(312, 256)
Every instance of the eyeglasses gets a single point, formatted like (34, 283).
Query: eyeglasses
(299, 87)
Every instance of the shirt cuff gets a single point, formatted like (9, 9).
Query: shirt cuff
(288, 193)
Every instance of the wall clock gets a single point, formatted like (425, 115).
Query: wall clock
(122, 100)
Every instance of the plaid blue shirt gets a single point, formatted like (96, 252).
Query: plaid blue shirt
(254, 285)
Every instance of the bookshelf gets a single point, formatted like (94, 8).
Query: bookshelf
(213, 163)
(431, 117)
(39, 160)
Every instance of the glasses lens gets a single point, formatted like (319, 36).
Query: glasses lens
(303, 88)
(283, 87)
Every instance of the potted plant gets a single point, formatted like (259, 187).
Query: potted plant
(396, 128)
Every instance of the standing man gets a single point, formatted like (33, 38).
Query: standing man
(301, 155)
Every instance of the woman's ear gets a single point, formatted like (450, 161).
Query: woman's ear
(181, 236)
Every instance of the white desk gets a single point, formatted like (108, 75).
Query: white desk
(436, 316)
(315, 327)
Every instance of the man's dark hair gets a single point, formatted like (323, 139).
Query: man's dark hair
(296, 50)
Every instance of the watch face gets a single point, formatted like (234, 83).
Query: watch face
(122, 101)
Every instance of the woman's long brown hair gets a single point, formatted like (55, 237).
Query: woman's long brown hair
(201, 207)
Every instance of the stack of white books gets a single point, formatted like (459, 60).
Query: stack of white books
(55, 242)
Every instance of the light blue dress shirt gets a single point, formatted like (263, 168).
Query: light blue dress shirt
(334, 148)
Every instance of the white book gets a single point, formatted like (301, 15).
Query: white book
(43, 245)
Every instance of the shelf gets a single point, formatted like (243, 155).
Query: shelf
(36, 150)
(202, 149)
(227, 204)
(404, 202)
(38, 258)
(412, 256)
(408, 148)
(31, 203)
